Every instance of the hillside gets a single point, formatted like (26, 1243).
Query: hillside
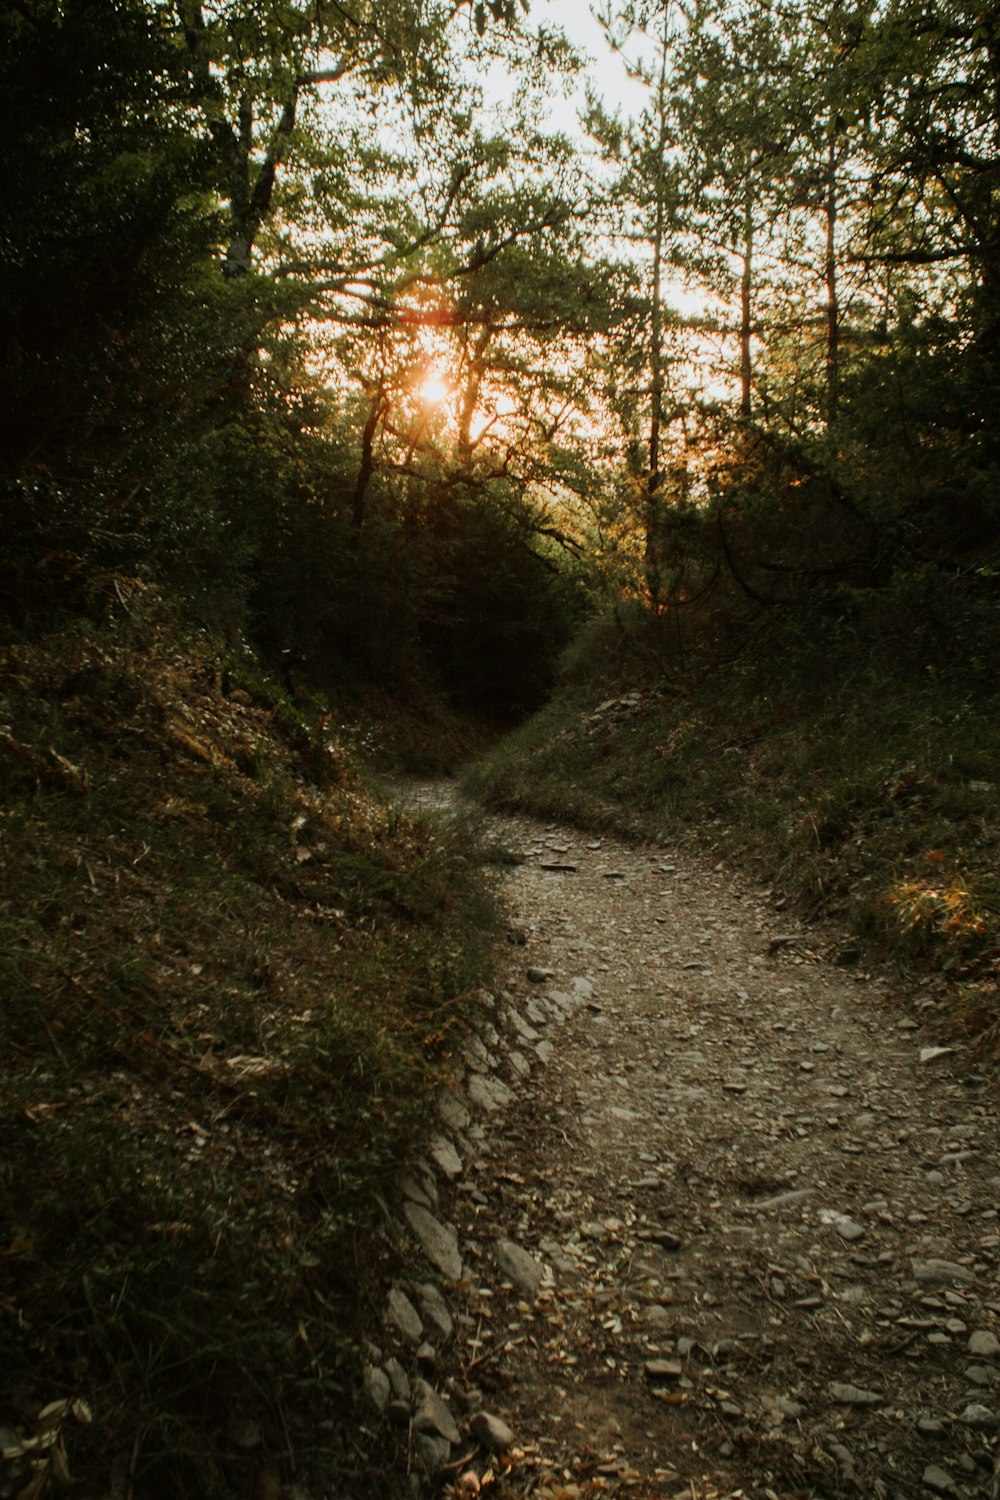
(230, 972)
(855, 771)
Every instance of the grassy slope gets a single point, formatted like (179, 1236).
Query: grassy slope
(860, 781)
(229, 978)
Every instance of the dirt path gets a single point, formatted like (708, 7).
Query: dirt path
(756, 1201)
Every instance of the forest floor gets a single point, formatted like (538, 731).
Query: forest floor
(757, 1195)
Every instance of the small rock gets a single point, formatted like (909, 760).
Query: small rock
(981, 1375)
(845, 1227)
(488, 1093)
(434, 1310)
(938, 1480)
(525, 1032)
(447, 1157)
(476, 1055)
(984, 1344)
(434, 1453)
(431, 1415)
(520, 1267)
(795, 1195)
(377, 1385)
(404, 1316)
(980, 1417)
(931, 1054)
(931, 1427)
(936, 1272)
(440, 1244)
(493, 1434)
(540, 976)
(663, 1369)
(843, 1456)
(427, 1356)
(414, 1190)
(398, 1379)
(853, 1395)
(453, 1112)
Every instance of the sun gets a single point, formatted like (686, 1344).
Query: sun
(434, 389)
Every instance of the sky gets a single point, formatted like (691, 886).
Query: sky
(604, 71)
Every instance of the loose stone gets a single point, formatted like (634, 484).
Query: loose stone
(398, 1379)
(520, 1267)
(936, 1272)
(853, 1395)
(434, 1452)
(404, 1316)
(447, 1157)
(440, 1244)
(453, 1112)
(938, 1480)
(488, 1093)
(415, 1191)
(984, 1344)
(432, 1415)
(493, 1434)
(434, 1310)
(377, 1385)
(980, 1417)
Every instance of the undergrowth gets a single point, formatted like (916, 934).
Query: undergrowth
(858, 775)
(230, 978)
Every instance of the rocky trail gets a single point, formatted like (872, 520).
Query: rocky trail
(708, 1216)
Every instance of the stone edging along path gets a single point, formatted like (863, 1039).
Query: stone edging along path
(706, 1216)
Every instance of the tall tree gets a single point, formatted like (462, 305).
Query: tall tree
(641, 200)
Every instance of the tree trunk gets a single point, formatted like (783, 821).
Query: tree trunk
(832, 291)
(654, 526)
(746, 312)
(367, 465)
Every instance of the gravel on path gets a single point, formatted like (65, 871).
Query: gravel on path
(727, 1213)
